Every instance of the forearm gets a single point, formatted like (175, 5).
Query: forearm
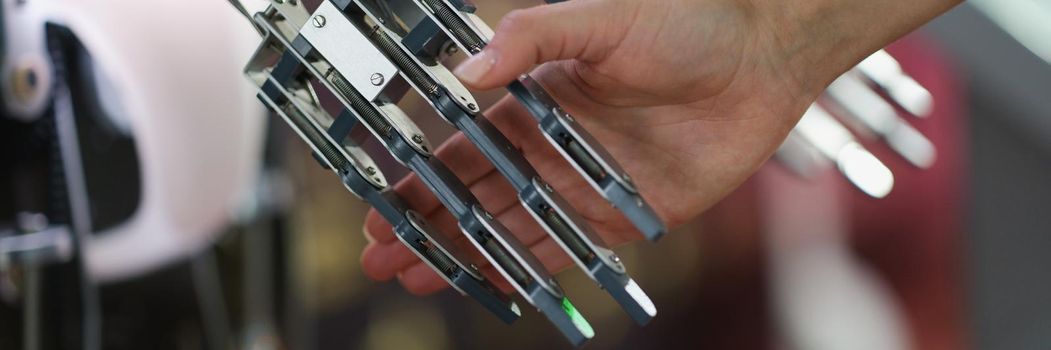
(821, 39)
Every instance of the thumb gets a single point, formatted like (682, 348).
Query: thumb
(582, 29)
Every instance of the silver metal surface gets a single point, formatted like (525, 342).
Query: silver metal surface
(600, 156)
(295, 12)
(592, 240)
(426, 259)
(437, 72)
(40, 247)
(281, 33)
(405, 126)
(372, 171)
(480, 28)
(521, 254)
(362, 163)
(442, 243)
(349, 51)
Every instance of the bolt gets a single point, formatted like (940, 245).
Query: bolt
(417, 138)
(370, 171)
(319, 21)
(25, 81)
(31, 222)
(615, 258)
(559, 112)
(523, 77)
(638, 202)
(548, 188)
(473, 267)
(376, 79)
(471, 106)
(451, 49)
(488, 215)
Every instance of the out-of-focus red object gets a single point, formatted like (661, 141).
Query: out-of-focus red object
(912, 238)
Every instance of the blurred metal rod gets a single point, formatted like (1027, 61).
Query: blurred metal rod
(860, 103)
(903, 90)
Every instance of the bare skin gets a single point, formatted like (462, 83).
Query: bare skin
(690, 96)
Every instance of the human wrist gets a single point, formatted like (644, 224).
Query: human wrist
(818, 40)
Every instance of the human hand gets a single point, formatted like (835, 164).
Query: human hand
(690, 96)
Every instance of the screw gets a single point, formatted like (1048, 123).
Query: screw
(548, 188)
(559, 112)
(523, 77)
(488, 215)
(473, 267)
(417, 138)
(370, 171)
(319, 21)
(638, 202)
(615, 258)
(376, 79)
(451, 49)
(471, 106)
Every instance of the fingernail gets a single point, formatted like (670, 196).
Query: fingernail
(475, 68)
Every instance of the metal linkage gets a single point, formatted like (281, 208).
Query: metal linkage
(284, 94)
(326, 46)
(458, 23)
(456, 105)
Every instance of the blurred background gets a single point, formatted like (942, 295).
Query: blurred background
(263, 250)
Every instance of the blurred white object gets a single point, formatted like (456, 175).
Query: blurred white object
(175, 68)
(885, 71)
(824, 298)
(859, 102)
(833, 141)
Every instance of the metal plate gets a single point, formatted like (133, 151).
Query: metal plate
(348, 50)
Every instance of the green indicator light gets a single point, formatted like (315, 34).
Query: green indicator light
(577, 318)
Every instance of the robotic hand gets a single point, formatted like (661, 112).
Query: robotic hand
(367, 54)
(361, 54)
